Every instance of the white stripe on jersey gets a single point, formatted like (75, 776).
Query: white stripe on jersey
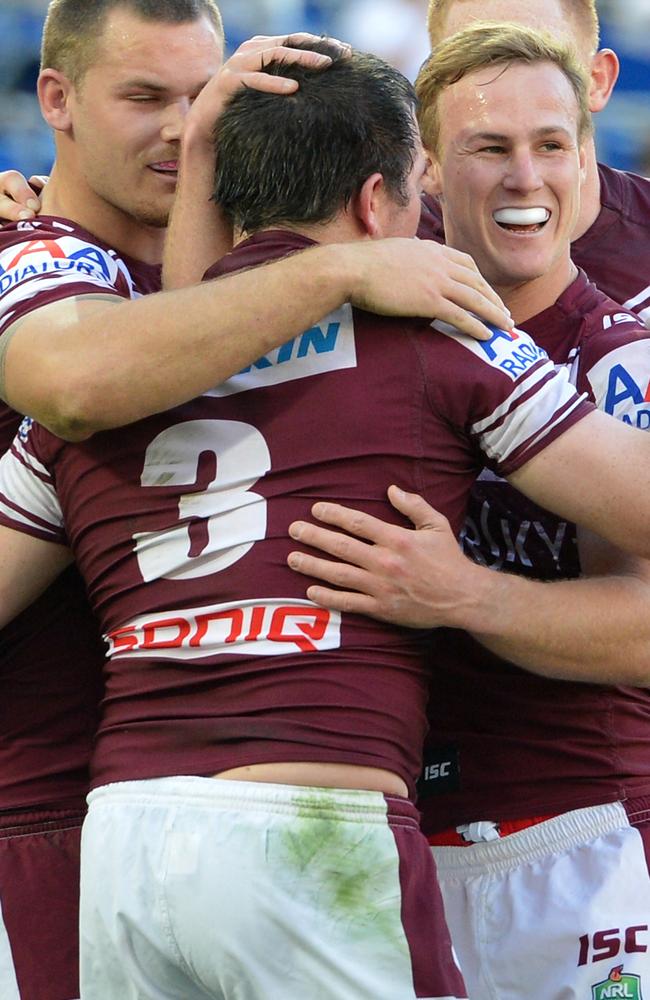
(27, 499)
(642, 299)
(530, 419)
(265, 626)
(526, 384)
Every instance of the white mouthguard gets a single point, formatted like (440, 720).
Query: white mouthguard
(522, 216)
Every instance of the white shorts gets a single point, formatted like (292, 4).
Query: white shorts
(559, 911)
(195, 887)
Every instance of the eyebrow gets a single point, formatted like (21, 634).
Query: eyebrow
(139, 83)
(498, 137)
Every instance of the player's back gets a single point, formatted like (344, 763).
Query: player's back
(179, 525)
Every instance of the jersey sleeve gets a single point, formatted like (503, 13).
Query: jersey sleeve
(49, 267)
(614, 368)
(28, 499)
(506, 396)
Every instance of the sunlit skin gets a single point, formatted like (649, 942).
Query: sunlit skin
(403, 220)
(548, 16)
(375, 213)
(509, 139)
(119, 146)
(552, 17)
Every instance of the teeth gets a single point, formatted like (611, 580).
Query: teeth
(522, 216)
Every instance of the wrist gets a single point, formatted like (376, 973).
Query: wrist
(483, 601)
(197, 144)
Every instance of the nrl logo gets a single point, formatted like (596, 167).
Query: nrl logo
(619, 986)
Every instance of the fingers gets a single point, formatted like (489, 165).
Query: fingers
(416, 508)
(355, 522)
(17, 200)
(38, 181)
(344, 547)
(246, 69)
(341, 575)
(339, 600)
(402, 277)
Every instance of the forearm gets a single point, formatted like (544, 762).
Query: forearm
(126, 361)
(594, 629)
(196, 221)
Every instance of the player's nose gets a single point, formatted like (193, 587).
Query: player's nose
(172, 125)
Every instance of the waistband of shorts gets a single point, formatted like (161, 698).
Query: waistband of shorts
(41, 820)
(342, 804)
(535, 842)
(453, 838)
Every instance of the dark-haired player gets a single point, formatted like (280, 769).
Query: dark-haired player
(252, 767)
(118, 79)
(533, 790)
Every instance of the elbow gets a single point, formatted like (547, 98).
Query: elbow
(72, 414)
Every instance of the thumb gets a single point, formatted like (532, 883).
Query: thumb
(422, 514)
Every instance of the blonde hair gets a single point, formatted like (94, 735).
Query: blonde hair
(74, 28)
(493, 44)
(583, 14)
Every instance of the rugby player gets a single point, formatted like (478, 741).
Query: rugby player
(548, 780)
(117, 79)
(255, 752)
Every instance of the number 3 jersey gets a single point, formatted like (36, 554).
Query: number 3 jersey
(51, 655)
(179, 526)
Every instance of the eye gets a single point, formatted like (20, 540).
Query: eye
(496, 150)
(142, 98)
(551, 147)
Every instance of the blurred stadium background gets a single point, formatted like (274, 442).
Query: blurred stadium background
(395, 29)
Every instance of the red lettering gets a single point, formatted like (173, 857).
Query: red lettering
(311, 631)
(236, 616)
(607, 944)
(149, 633)
(124, 638)
(631, 943)
(38, 246)
(257, 623)
(584, 950)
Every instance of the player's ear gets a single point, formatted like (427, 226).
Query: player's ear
(54, 92)
(368, 204)
(604, 74)
(432, 181)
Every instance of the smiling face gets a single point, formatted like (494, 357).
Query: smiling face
(508, 169)
(127, 112)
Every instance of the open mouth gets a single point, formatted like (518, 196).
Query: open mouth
(522, 220)
(169, 168)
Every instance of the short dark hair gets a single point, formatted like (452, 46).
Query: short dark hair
(73, 28)
(300, 158)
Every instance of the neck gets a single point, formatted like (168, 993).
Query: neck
(589, 194)
(68, 195)
(529, 298)
(342, 229)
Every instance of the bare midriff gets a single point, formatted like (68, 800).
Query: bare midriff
(318, 775)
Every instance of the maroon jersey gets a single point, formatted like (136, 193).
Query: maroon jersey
(506, 743)
(179, 526)
(51, 655)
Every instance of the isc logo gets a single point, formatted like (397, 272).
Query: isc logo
(433, 771)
